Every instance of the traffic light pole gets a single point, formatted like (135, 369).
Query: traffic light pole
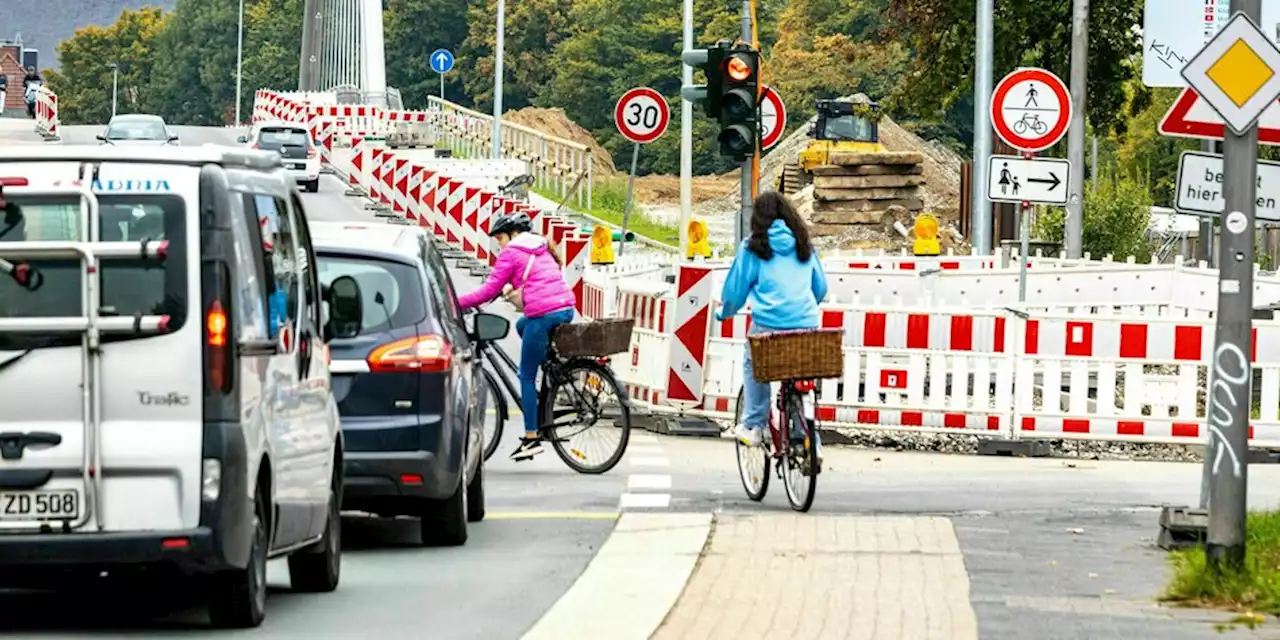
(1231, 375)
(748, 174)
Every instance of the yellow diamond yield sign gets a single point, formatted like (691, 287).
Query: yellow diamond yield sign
(1240, 73)
(1237, 73)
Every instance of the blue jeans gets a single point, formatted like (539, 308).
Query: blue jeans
(755, 395)
(535, 334)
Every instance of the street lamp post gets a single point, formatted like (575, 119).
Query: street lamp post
(239, 58)
(497, 79)
(115, 85)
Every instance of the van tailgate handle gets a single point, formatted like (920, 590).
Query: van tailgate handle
(12, 443)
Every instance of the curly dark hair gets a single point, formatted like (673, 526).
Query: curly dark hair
(770, 206)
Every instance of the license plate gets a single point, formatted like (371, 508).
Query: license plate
(39, 505)
(298, 166)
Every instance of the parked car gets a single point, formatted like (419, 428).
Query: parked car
(201, 436)
(138, 130)
(294, 143)
(406, 385)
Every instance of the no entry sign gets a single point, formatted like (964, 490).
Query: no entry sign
(642, 115)
(1031, 109)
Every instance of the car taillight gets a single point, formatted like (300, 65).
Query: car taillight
(419, 353)
(215, 325)
(311, 152)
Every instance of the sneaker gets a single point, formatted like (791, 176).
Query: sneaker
(529, 447)
(749, 437)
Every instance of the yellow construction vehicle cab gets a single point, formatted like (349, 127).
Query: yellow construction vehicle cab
(845, 125)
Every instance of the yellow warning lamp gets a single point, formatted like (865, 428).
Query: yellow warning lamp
(926, 243)
(699, 240)
(601, 245)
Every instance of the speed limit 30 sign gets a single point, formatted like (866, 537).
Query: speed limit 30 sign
(642, 115)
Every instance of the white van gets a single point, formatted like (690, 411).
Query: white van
(165, 400)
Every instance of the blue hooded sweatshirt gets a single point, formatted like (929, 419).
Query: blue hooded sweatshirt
(784, 292)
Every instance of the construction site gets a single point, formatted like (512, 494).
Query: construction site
(852, 194)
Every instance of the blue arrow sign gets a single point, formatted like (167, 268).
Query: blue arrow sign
(441, 61)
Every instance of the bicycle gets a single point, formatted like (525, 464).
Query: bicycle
(1039, 127)
(796, 359)
(567, 359)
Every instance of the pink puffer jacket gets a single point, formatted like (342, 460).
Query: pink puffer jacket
(545, 291)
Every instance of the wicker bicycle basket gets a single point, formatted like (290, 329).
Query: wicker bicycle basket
(596, 338)
(797, 355)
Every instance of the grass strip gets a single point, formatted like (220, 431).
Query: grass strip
(1252, 591)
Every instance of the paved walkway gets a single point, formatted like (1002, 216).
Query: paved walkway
(810, 576)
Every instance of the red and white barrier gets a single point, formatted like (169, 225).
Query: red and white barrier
(47, 113)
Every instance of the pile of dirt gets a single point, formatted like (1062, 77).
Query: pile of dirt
(554, 122)
(663, 189)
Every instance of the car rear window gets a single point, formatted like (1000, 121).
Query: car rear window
(279, 137)
(137, 130)
(128, 286)
(398, 284)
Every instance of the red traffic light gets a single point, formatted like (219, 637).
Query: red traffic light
(738, 68)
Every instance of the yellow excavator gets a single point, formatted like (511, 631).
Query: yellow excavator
(843, 125)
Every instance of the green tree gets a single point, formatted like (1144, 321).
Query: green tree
(84, 81)
(942, 35)
(1117, 211)
(272, 42)
(532, 30)
(196, 63)
(415, 28)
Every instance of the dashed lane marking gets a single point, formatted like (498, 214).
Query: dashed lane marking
(553, 515)
(644, 481)
(650, 462)
(644, 501)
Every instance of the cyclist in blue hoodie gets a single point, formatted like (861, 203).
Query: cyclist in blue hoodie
(778, 270)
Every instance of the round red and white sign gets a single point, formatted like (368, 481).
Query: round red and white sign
(773, 118)
(642, 115)
(1031, 109)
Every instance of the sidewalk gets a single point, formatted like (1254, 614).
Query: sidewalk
(809, 576)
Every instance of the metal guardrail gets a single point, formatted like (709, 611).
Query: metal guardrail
(556, 163)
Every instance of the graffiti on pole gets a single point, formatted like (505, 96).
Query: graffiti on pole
(1227, 381)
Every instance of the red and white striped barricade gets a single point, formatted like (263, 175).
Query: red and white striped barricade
(643, 369)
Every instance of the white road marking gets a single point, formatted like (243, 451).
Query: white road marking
(642, 481)
(655, 461)
(644, 501)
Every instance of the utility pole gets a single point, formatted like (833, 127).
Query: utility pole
(744, 218)
(686, 137)
(306, 66)
(982, 84)
(239, 59)
(498, 54)
(1231, 375)
(1074, 232)
(115, 85)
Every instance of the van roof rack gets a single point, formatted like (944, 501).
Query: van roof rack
(193, 156)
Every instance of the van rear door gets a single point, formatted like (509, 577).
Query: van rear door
(138, 391)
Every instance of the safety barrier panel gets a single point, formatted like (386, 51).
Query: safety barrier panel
(47, 113)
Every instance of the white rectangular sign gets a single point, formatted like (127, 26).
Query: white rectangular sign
(1173, 31)
(1039, 181)
(1200, 183)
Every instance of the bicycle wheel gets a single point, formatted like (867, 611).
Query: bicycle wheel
(1020, 127)
(495, 413)
(753, 462)
(582, 404)
(799, 464)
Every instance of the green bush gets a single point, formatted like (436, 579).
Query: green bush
(1117, 210)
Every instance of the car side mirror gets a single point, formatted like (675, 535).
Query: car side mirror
(346, 309)
(173, 137)
(490, 327)
(242, 139)
(102, 137)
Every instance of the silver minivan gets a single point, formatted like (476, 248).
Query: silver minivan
(165, 399)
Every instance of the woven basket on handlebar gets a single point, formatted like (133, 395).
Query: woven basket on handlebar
(797, 355)
(595, 338)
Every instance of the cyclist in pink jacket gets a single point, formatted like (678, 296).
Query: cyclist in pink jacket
(528, 263)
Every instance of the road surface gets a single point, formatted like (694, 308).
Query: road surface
(898, 545)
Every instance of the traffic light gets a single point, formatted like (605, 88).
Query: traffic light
(739, 106)
(710, 61)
